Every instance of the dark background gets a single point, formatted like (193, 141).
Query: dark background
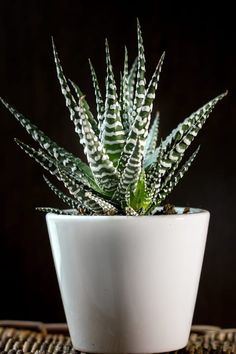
(200, 63)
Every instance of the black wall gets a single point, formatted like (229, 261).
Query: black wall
(200, 63)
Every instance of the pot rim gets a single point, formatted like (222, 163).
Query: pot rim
(192, 213)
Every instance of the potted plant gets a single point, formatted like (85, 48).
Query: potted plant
(128, 267)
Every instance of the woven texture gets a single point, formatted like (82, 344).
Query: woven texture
(28, 337)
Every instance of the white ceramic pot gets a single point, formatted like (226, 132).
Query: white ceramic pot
(128, 283)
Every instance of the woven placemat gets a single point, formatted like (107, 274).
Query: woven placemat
(40, 338)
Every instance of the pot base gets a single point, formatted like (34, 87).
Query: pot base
(163, 350)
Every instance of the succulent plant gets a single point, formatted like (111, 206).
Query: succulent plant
(127, 173)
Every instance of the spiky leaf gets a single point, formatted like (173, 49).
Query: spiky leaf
(138, 197)
(130, 211)
(79, 193)
(172, 183)
(79, 95)
(99, 99)
(68, 160)
(186, 134)
(132, 77)
(113, 136)
(139, 93)
(130, 174)
(125, 95)
(40, 157)
(107, 208)
(151, 142)
(70, 100)
(102, 168)
(181, 137)
(139, 129)
(154, 176)
(72, 203)
(58, 211)
(85, 197)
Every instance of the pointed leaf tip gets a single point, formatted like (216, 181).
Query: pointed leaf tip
(4, 103)
(163, 55)
(53, 44)
(226, 93)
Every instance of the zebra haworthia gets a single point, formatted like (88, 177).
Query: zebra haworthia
(126, 172)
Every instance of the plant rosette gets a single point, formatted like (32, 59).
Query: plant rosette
(128, 276)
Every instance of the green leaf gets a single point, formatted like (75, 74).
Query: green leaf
(130, 212)
(154, 176)
(141, 71)
(138, 198)
(78, 192)
(69, 98)
(113, 136)
(102, 168)
(79, 95)
(94, 203)
(50, 164)
(130, 174)
(172, 183)
(40, 156)
(57, 211)
(180, 139)
(124, 99)
(132, 82)
(68, 160)
(107, 208)
(72, 203)
(98, 97)
(151, 141)
(150, 96)
(171, 174)
(141, 123)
